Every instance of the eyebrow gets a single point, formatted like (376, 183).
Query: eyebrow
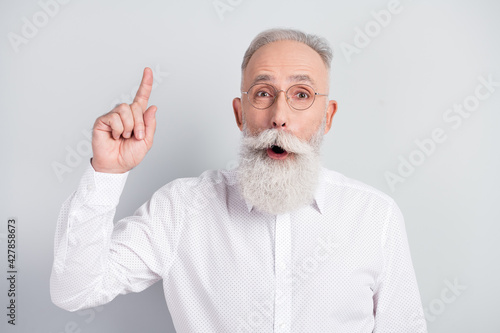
(293, 78)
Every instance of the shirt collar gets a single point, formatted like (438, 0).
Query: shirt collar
(319, 195)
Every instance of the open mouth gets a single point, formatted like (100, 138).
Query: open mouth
(277, 149)
(276, 152)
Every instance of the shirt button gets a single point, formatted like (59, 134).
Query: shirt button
(90, 187)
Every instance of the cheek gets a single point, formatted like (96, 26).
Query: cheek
(306, 125)
(255, 120)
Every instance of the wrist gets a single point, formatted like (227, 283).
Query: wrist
(98, 168)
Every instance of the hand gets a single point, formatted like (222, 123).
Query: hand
(122, 137)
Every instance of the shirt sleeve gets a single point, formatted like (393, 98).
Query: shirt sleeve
(95, 260)
(397, 303)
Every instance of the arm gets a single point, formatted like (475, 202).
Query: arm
(95, 261)
(397, 304)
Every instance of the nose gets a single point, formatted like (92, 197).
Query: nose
(279, 111)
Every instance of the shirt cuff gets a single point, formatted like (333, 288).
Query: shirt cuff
(101, 189)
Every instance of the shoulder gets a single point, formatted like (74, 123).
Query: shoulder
(338, 184)
(207, 181)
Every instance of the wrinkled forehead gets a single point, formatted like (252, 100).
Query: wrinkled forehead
(286, 62)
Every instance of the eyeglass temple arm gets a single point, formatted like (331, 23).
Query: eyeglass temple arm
(317, 94)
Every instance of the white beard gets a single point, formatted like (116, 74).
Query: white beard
(279, 186)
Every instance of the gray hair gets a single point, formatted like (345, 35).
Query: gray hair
(317, 43)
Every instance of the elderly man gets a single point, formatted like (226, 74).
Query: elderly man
(280, 244)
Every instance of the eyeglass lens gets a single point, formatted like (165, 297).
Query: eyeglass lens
(299, 96)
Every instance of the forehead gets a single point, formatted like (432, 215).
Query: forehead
(286, 61)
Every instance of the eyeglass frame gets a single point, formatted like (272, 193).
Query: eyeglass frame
(286, 95)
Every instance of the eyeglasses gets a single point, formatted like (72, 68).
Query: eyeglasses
(299, 96)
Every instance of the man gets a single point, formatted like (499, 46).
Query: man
(280, 244)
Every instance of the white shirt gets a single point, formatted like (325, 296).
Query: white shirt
(341, 264)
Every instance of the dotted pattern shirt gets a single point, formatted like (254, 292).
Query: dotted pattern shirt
(341, 264)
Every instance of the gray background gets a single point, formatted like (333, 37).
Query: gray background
(90, 55)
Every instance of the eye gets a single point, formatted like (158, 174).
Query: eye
(302, 95)
(262, 94)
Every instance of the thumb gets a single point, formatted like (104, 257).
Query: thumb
(150, 122)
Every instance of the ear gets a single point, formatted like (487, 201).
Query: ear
(238, 112)
(332, 109)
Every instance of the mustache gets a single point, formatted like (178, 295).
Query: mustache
(274, 137)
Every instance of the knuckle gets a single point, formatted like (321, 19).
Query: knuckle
(116, 120)
(136, 108)
(115, 116)
(122, 108)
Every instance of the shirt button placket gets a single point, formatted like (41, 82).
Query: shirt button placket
(283, 281)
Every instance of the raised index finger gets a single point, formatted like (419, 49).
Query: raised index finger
(144, 91)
